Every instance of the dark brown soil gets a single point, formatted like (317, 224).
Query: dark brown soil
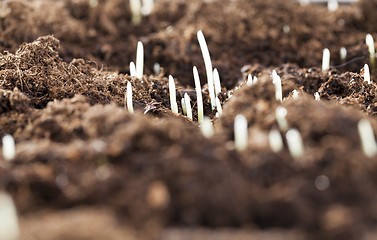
(85, 168)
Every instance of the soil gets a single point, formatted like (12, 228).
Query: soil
(85, 168)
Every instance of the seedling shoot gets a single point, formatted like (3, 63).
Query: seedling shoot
(173, 99)
(132, 69)
(343, 54)
(206, 127)
(130, 107)
(326, 59)
(9, 147)
(368, 141)
(188, 106)
(280, 114)
(216, 80)
(199, 97)
(278, 90)
(366, 73)
(294, 141)
(370, 43)
(208, 65)
(135, 6)
(139, 60)
(240, 133)
(275, 141)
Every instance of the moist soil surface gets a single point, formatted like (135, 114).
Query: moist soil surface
(86, 168)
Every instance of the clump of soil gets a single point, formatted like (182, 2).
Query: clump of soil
(152, 174)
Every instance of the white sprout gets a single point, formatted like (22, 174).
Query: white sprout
(275, 140)
(218, 106)
(255, 80)
(317, 97)
(132, 69)
(294, 141)
(130, 107)
(304, 2)
(135, 6)
(294, 94)
(199, 97)
(216, 81)
(156, 69)
(188, 106)
(249, 80)
(343, 53)
(9, 148)
(326, 59)
(332, 5)
(147, 7)
(139, 60)
(368, 142)
(366, 73)
(280, 114)
(208, 65)
(9, 228)
(173, 99)
(183, 104)
(370, 43)
(240, 133)
(206, 127)
(277, 81)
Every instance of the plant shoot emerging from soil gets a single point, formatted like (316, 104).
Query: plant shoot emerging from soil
(130, 107)
(9, 228)
(343, 54)
(332, 5)
(135, 6)
(280, 114)
(9, 147)
(173, 98)
(370, 43)
(132, 69)
(368, 141)
(156, 69)
(208, 65)
(278, 90)
(294, 141)
(317, 97)
(199, 97)
(366, 73)
(218, 106)
(216, 81)
(275, 140)
(139, 60)
(240, 133)
(147, 7)
(188, 106)
(326, 59)
(183, 104)
(206, 127)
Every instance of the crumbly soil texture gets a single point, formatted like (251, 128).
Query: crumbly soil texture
(85, 168)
